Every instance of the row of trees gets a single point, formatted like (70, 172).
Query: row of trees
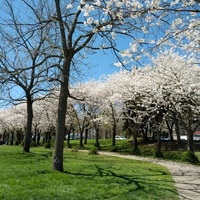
(146, 101)
(44, 42)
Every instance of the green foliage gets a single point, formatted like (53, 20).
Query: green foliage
(93, 151)
(172, 155)
(33, 144)
(113, 149)
(158, 154)
(136, 151)
(47, 145)
(97, 145)
(190, 157)
(86, 177)
(145, 149)
(69, 146)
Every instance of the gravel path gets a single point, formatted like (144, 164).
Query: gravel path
(186, 177)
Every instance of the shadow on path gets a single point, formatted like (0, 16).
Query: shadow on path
(186, 176)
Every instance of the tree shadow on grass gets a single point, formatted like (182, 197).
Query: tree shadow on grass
(153, 184)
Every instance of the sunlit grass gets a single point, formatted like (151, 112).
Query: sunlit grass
(29, 176)
(145, 149)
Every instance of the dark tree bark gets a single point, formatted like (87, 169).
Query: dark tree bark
(86, 135)
(170, 129)
(64, 94)
(38, 137)
(81, 140)
(68, 140)
(18, 137)
(97, 143)
(28, 134)
(12, 137)
(60, 130)
(114, 128)
(158, 145)
(144, 134)
(135, 144)
(114, 133)
(4, 137)
(177, 130)
(190, 141)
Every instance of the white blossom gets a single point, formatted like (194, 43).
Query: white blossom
(87, 9)
(97, 3)
(69, 6)
(138, 58)
(118, 64)
(113, 34)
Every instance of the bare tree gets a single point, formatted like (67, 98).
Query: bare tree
(25, 59)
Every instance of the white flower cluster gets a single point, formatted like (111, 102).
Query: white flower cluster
(147, 24)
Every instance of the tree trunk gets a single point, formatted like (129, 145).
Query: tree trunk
(190, 141)
(86, 135)
(177, 130)
(68, 139)
(62, 105)
(18, 138)
(81, 139)
(48, 139)
(28, 133)
(97, 144)
(12, 138)
(135, 144)
(114, 134)
(38, 137)
(4, 137)
(60, 130)
(114, 126)
(170, 129)
(159, 129)
(144, 134)
(158, 145)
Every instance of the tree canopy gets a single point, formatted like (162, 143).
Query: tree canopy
(46, 41)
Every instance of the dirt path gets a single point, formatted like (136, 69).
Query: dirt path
(186, 177)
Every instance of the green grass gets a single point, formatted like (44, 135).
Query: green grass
(125, 147)
(29, 176)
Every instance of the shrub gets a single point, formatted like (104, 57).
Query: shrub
(136, 151)
(190, 157)
(97, 145)
(172, 155)
(113, 149)
(69, 146)
(158, 154)
(33, 144)
(93, 151)
(47, 145)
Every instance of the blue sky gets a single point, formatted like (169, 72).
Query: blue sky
(103, 65)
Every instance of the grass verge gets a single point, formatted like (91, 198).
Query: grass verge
(170, 150)
(29, 176)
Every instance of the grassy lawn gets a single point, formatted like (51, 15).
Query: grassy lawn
(86, 177)
(170, 152)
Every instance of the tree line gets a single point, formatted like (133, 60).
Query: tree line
(43, 43)
(151, 101)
